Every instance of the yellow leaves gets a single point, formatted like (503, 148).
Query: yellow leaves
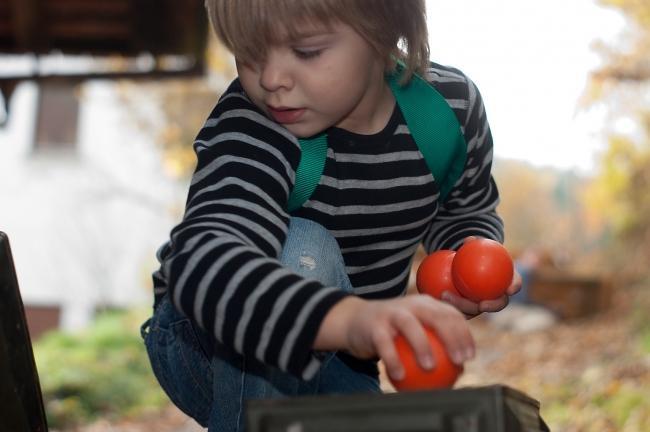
(612, 192)
(171, 134)
(638, 10)
(626, 62)
(178, 161)
(617, 165)
(219, 60)
(622, 190)
(171, 112)
(545, 209)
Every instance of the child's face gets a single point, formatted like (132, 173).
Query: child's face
(327, 77)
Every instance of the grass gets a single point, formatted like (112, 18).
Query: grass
(102, 372)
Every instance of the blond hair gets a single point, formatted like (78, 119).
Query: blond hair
(396, 29)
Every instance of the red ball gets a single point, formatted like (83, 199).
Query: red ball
(482, 270)
(443, 375)
(434, 274)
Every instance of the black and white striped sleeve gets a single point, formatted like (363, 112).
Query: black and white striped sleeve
(221, 264)
(470, 207)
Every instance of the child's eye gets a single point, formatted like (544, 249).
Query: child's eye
(307, 54)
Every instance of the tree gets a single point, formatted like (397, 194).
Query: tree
(631, 64)
(622, 190)
(172, 112)
(543, 209)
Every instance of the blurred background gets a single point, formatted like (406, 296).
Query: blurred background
(101, 102)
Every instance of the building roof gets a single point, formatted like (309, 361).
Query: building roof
(100, 27)
(127, 28)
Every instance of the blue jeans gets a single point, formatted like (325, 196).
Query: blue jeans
(211, 383)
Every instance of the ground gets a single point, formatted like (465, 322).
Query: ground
(590, 374)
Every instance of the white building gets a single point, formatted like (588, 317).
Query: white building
(84, 217)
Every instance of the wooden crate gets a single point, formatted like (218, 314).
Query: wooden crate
(494, 408)
(570, 295)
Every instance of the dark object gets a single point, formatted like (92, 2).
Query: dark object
(168, 36)
(21, 409)
(571, 296)
(479, 409)
(116, 39)
(100, 27)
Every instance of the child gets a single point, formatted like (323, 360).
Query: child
(254, 301)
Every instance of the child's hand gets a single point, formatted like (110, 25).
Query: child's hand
(370, 327)
(471, 309)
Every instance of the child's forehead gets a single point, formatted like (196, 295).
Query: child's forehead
(301, 29)
(251, 36)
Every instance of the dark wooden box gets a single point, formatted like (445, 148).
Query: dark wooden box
(570, 295)
(473, 409)
(21, 402)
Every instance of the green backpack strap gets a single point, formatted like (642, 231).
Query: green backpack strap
(435, 129)
(313, 153)
(431, 122)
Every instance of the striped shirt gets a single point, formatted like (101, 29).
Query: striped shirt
(376, 196)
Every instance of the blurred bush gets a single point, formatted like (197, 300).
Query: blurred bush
(102, 372)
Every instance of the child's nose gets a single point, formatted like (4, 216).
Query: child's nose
(275, 74)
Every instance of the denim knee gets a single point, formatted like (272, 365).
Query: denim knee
(312, 251)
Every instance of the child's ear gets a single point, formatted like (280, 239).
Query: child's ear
(390, 63)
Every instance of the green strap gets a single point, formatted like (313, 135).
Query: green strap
(435, 129)
(313, 153)
(431, 122)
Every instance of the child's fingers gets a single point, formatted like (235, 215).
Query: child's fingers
(454, 332)
(494, 305)
(411, 328)
(515, 286)
(500, 303)
(464, 305)
(385, 347)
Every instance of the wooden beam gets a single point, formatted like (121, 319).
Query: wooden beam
(126, 27)
(26, 19)
(90, 29)
(6, 29)
(74, 8)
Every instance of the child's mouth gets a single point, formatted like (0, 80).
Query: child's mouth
(285, 115)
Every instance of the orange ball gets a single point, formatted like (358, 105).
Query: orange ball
(434, 274)
(443, 375)
(482, 269)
